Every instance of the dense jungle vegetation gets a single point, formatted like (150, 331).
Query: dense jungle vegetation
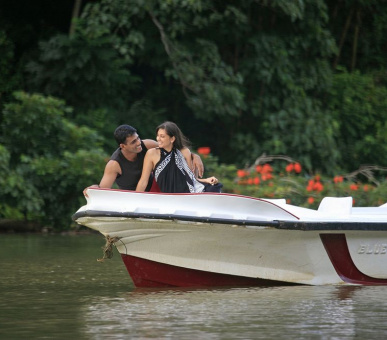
(255, 82)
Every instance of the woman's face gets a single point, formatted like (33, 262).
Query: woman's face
(164, 140)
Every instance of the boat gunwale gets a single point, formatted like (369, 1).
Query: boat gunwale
(277, 224)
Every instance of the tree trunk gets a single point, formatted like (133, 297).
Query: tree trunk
(75, 15)
(355, 40)
(343, 36)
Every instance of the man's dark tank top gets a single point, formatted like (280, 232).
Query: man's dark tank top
(130, 171)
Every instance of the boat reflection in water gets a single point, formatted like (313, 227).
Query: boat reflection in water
(210, 239)
(346, 312)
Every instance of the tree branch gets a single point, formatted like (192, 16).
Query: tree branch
(367, 171)
(169, 49)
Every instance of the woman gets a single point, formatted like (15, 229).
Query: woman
(172, 164)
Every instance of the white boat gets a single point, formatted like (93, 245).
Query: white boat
(212, 239)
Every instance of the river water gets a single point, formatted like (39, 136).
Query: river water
(53, 287)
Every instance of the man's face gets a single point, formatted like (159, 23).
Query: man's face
(132, 144)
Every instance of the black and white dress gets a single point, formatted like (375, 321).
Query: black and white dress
(173, 175)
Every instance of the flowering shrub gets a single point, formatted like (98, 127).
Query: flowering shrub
(204, 151)
(281, 177)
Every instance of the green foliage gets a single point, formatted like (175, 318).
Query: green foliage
(9, 76)
(224, 172)
(94, 77)
(211, 87)
(359, 107)
(19, 199)
(359, 27)
(7, 180)
(6, 52)
(87, 73)
(31, 126)
(143, 116)
(253, 87)
(47, 161)
(262, 87)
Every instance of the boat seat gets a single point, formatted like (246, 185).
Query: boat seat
(147, 210)
(336, 205)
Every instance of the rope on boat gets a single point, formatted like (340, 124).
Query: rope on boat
(108, 248)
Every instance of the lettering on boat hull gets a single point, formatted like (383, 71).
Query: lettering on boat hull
(376, 249)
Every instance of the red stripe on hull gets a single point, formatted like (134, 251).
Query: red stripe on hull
(146, 273)
(338, 252)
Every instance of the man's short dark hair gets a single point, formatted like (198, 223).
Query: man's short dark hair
(122, 132)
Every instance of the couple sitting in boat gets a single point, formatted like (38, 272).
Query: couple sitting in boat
(169, 158)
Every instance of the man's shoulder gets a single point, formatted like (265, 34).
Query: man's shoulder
(113, 166)
(115, 154)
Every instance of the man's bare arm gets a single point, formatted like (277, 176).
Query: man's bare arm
(112, 170)
(197, 165)
(150, 143)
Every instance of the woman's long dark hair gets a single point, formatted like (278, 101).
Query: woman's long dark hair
(173, 130)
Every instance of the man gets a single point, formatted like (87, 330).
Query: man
(125, 164)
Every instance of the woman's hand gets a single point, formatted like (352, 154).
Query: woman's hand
(210, 180)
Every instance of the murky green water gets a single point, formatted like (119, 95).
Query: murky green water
(52, 287)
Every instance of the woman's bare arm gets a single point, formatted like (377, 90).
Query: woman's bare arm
(188, 157)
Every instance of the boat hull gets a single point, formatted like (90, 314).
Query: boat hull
(146, 273)
(161, 250)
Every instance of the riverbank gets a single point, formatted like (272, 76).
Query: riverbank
(15, 226)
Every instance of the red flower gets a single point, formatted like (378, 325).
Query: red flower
(366, 187)
(314, 185)
(353, 187)
(258, 168)
(256, 180)
(241, 173)
(250, 181)
(318, 186)
(310, 200)
(310, 185)
(297, 167)
(266, 168)
(317, 177)
(289, 167)
(204, 150)
(338, 179)
(266, 176)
